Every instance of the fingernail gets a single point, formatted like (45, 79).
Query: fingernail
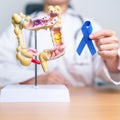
(91, 36)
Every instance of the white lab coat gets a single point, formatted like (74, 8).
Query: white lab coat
(79, 70)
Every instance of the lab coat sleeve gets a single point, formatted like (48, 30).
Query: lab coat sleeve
(101, 71)
(116, 76)
(10, 69)
(11, 73)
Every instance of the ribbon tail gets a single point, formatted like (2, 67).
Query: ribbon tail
(91, 46)
(81, 46)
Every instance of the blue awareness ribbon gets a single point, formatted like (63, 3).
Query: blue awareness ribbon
(86, 30)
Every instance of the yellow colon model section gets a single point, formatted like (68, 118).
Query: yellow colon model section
(20, 21)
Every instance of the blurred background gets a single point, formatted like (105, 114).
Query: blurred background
(105, 12)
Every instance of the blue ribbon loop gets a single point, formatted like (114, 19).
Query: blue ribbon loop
(86, 30)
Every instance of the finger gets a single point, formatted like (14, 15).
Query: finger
(108, 54)
(55, 78)
(68, 84)
(51, 81)
(101, 33)
(59, 76)
(108, 47)
(61, 80)
(108, 40)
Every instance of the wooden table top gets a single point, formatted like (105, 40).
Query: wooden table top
(87, 103)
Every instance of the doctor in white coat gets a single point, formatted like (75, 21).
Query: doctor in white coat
(70, 69)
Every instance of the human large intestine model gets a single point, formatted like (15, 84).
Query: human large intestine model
(53, 22)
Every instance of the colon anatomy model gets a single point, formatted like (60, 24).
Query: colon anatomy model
(53, 22)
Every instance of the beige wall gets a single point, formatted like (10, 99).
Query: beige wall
(106, 12)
